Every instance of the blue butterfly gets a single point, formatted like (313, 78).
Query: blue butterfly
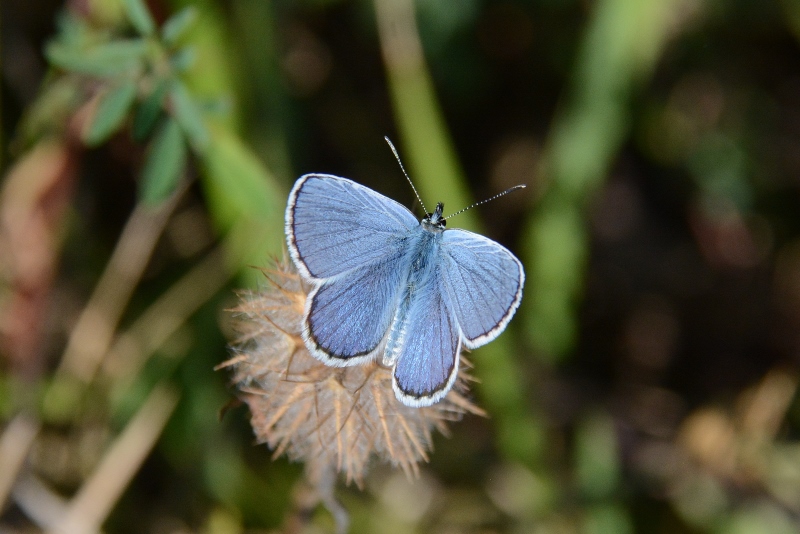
(387, 285)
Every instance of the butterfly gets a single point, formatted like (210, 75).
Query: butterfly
(386, 285)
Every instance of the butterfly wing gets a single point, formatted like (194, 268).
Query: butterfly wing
(350, 242)
(347, 317)
(334, 225)
(427, 362)
(483, 282)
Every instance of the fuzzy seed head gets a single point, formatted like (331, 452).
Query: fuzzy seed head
(332, 418)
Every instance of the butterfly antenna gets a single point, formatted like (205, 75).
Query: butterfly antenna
(397, 157)
(498, 195)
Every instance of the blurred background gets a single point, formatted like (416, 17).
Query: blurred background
(647, 383)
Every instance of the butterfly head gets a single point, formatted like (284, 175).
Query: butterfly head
(434, 222)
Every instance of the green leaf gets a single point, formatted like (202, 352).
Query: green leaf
(237, 183)
(140, 17)
(177, 24)
(71, 29)
(214, 74)
(166, 159)
(217, 106)
(183, 59)
(245, 202)
(189, 116)
(148, 112)
(53, 106)
(110, 113)
(103, 60)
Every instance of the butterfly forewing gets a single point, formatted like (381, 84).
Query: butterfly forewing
(483, 282)
(334, 225)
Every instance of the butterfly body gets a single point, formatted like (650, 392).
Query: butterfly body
(387, 286)
(420, 264)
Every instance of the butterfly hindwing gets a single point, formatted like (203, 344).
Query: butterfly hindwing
(334, 225)
(427, 362)
(347, 317)
(483, 281)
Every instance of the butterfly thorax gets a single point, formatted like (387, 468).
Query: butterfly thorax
(434, 222)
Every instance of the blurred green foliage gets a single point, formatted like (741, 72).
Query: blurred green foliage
(648, 383)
